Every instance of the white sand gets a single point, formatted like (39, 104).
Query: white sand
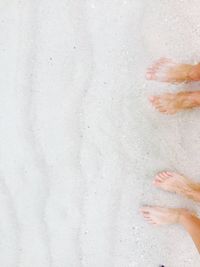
(80, 143)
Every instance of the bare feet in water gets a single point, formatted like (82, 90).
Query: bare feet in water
(166, 70)
(162, 216)
(177, 183)
(172, 103)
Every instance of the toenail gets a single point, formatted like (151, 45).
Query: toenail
(151, 98)
(148, 76)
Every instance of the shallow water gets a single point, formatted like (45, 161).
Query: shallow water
(80, 143)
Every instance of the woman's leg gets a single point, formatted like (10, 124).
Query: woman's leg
(179, 184)
(192, 225)
(166, 216)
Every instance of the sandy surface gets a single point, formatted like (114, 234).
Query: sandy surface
(79, 142)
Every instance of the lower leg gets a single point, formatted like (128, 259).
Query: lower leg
(191, 224)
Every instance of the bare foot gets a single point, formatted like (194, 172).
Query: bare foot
(162, 216)
(177, 183)
(166, 70)
(172, 103)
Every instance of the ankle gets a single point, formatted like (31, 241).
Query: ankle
(184, 215)
(194, 73)
(195, 194)
(189, 99)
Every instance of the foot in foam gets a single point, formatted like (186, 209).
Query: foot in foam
(177, 183)
(172, 103)
(166, 70)
(162, 216)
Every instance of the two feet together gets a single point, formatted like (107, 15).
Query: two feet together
(166, 70)
(175, 183)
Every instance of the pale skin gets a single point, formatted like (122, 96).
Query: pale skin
(179, 184)
(166, 70)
